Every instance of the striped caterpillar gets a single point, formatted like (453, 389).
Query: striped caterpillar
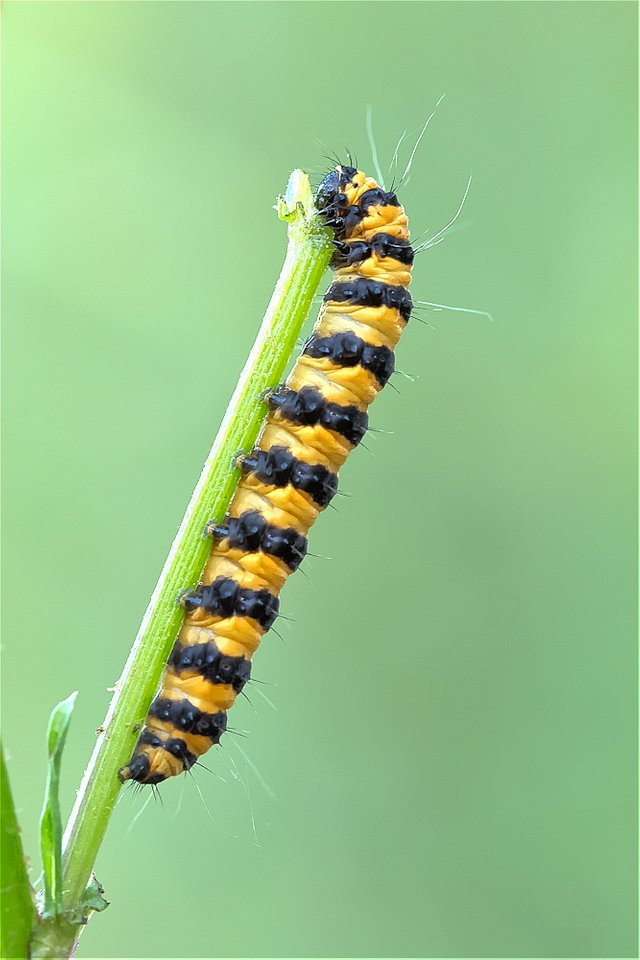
(315, 419)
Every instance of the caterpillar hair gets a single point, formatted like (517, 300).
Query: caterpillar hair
(315, 420)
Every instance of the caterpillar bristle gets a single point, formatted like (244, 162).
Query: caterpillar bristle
(314, 421)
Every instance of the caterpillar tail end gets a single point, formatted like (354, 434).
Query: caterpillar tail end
(138, 769)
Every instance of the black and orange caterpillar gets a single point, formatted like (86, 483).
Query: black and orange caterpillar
(316, 418)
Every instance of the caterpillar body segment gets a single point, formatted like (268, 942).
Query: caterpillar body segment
(315, 420)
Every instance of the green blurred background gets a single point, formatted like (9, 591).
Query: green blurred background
(450, 767)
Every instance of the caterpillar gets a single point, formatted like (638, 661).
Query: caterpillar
(315, 419)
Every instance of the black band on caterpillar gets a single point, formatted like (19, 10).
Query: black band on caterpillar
(251, 532)
(349, 252)
(206, 660)
(226, 598)
(183, 715)
(347, 350)
(355, 214)
(317, 415)
(175, 746)
(363, 292)
(308, 407)
(377, 197)
(279, 468)
(344, 217)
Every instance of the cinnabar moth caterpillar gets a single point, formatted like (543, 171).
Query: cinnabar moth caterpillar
(315, 420)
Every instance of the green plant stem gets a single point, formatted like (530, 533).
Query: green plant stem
(308, 254)
(18, 911)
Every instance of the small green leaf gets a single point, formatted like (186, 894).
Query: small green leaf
(50, 819)
(93, 900)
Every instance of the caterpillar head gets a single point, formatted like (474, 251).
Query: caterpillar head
(330, 196)
(331, 200)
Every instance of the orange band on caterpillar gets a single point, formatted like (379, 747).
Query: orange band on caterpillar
(316, 418)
